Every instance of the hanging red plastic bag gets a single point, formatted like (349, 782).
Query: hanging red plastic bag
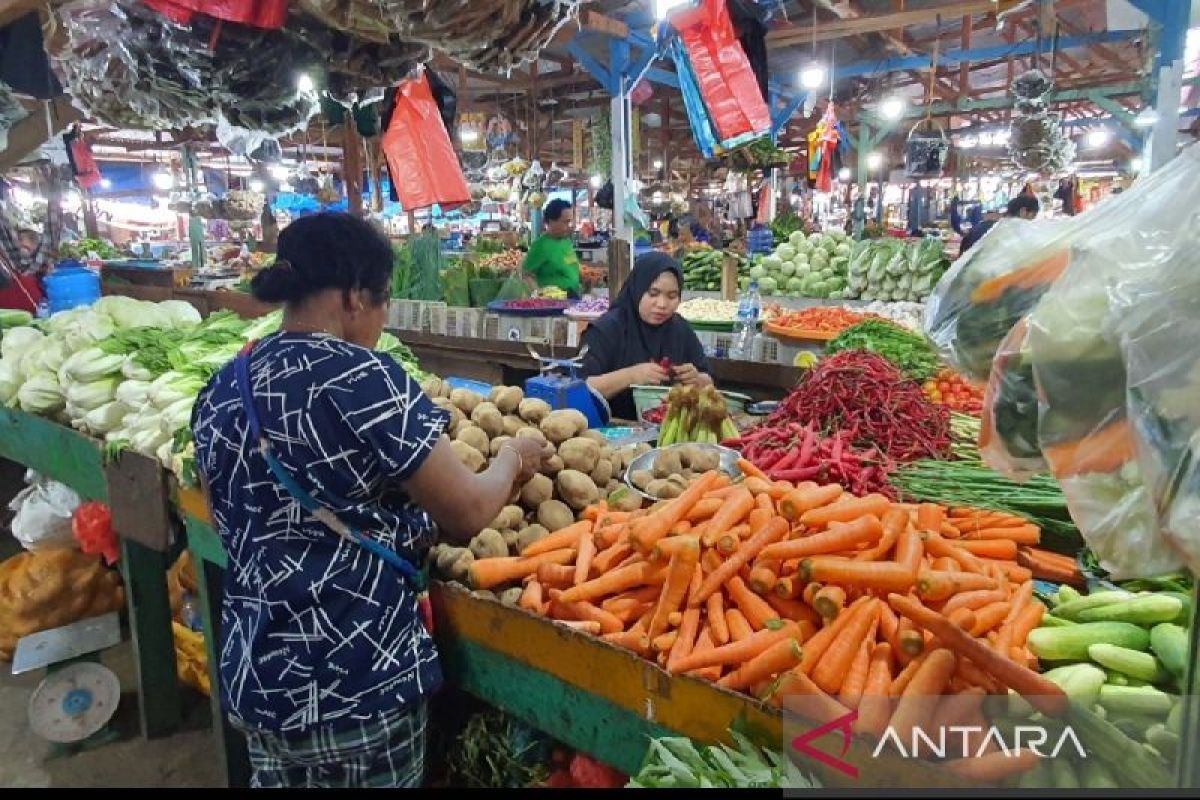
(422, 162)
(727, 81)
(269, 14)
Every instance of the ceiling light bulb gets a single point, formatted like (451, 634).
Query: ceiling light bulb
(597, 181)
(1146, 119)
(892, 108)
(874, 160)
(305, 83)
(812, 76)
(256, 185)
(658, 164)
(1136, 164)
(844, 174)
(105, 183)
(662, 8)
(162, 181)
(1097, 137)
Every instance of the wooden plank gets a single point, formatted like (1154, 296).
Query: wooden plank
(856, 26)
(137, 488)
(55, 451)
(32, 132)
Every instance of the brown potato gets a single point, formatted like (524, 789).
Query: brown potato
(577, 489)
(579, 453)
(536, 491)
(555, 515)
(642, 479)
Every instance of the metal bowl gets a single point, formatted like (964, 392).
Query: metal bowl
(646, 461)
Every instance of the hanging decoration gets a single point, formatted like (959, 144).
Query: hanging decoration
(823, 145)
(927, 146)
(421, 159)
(1036, 141)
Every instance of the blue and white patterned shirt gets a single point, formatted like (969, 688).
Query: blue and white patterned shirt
(315, 629)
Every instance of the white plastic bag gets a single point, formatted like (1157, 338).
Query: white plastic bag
(43, 513)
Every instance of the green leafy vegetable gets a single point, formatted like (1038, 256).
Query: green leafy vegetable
(909, 351)
(677, 763)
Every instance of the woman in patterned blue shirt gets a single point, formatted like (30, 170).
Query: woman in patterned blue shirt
(325, 662)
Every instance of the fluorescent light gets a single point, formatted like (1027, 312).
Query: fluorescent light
(305, 83)
(892, 107)
(256, 185)
(658, 163)
(662, 8)
(1098, 137)
(874, 160)
(468, 136)
(813, 75)
(162, 181)
(105, 183)
(657, 197)
(597, 181)
(1147, 118)
(1136, 164)
(844, 174)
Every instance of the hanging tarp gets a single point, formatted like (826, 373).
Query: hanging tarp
(268, 14)
(421, 160)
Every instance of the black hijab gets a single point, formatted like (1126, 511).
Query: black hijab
(620, 338)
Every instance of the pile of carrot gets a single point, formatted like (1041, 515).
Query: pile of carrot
(800, 591)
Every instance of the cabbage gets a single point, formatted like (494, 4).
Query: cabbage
(785, 252)
(843, 249)
(788, 268)
(45, 356)
(171, 387)
(91, 365)
(105, 418)
(768, 285)
(795, 285)
(758, 272)
(41, 394)
(180, 313)
(796, 239)
(129, 313)
(136, 372)
(93, 394)
(772, 262)
(132, 393)
(17, 340)
(10, 382)
(177, 415)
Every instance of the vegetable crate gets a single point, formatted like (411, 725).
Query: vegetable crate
(716, 344)
(548, 330)
(765, 350)
(454, 321)
(410, 315)
(786, 351)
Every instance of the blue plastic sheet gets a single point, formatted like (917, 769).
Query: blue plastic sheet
(697, 113)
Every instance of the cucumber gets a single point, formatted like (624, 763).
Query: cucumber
(1066, 594)
(1185, 614)
(1051, 621)
(1095, 775)
(1134, 725)
(1133, 663)
(1164, 741)
(1170, 643)
(1175, 719)
(1116, 678)
(1037, 778)
(1106, 744)
(1063, 773)
(1135, 700)
(1071, 643)
(1070, 609)
(1146, 610)
(1080, 682)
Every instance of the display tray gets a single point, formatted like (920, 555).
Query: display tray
(137, 263)
(501, 307)
(711, 325)
(800, 335)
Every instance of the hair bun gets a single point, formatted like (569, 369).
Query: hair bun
(276, 284)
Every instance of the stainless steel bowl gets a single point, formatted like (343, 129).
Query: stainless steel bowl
(646, 461)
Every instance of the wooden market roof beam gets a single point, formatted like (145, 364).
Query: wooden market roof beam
(859, 25)
(31, 132)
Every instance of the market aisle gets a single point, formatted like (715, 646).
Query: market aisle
(186, 759)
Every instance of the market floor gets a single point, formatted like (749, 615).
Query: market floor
(186, 759)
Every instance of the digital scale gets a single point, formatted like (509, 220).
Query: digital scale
(559, 385)
(73, 705)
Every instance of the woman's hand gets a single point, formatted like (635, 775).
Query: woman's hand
(688, 375)
(530, 453)
(648, 374)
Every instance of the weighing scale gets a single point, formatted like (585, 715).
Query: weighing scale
(567, 390)
(74, 703)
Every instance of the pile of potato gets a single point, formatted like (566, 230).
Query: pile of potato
(579, 469)
(674, 468)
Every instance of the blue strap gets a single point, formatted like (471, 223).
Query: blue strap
(241, 368)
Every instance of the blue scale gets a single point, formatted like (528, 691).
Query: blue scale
(559, 385)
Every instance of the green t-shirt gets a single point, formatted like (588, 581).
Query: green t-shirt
(554, 263)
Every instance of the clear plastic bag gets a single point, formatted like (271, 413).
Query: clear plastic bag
(43, 513)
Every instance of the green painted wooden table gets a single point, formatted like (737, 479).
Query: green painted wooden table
(76, 460)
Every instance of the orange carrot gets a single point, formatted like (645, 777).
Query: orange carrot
(757, 486)
(732, 511)
(962, 617)
(944, 564)
(1026, 534)
(772, 532)
(874, 504)
(674, 618)
(650, 529)
(762, 576)
(809, 594)
(758, 612)
(956, 709)
(912, 643)
(1014, 572)
(793, 610)
(608, 536)
(704, 509)
(750, 471)
(704, 643)
(665, 548)
(618, 580)
(685, 640)
(993, 767)
(805, 498)
(1041, 693)
(593, 512)
(796, 692)
(682, 567)
(729, 541)
(989, 548)
(585, 625)
(874, 705)
(829, 601)
(583, 559)
(715, 611)
(485, 573)
(628, 610)
(815, 647)
(974, 676)
(910, 550)
(916, 707)
(682, 528)
(989, 617)
(895, 522)
(830, 671)
(1026, 621)
(889, 627)
(976, 599)
(711, 561)
(583, 610)
(739, 628)
(633, 639)
(852, 687)
(937, 546)
(934, 585)
(556, 575)
(723, 493)
(838, 537)
(567, 537)
(788, 588)
(664, 641)
(779, 657)
(930, 517)
(736, 652)
(881, 575)
(531, 597)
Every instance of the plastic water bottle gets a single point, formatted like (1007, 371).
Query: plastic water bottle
(746, 326)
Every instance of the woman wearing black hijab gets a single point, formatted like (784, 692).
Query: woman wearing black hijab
(629, 345)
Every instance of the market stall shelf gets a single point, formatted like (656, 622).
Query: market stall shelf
(77, 461)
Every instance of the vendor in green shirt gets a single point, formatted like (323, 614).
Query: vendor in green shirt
(551, 260)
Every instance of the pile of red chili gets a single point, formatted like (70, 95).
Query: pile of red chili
(864, 397)
(536, 303)
(796, 453)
